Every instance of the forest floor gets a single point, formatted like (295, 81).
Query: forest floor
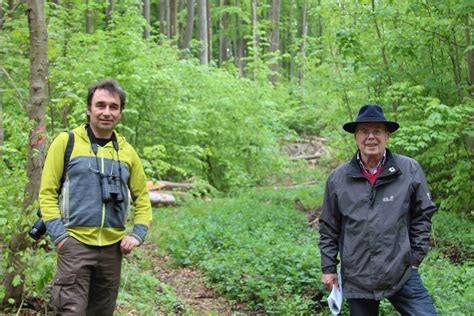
(190, 288)
(189, 283)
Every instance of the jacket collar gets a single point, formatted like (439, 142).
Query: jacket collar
(82, 133)
(390, 167)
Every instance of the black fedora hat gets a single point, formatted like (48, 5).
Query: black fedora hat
(370, 113)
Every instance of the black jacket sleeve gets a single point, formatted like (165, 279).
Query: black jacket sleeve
(422, 209)
(329, 230)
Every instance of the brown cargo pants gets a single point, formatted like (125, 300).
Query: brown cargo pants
(87, 279)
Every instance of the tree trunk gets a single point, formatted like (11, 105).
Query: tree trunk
(168, 18)
(304, 33)
(36, 112)
(221, 35)
(181, 27)
(290, 44)
(383, 53)
(202, 27)
(209, 30)
(452, 53)
(469, 56)
(239, 44)
(88, 19)
(1, 15)
(163, 16)
(274, 36)
(189, 24)
(108, 12)
(255, 36)
(146, 15)
(173, 5)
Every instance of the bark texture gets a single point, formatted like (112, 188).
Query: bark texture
(36, 112)
(189, 24)
(203, 32)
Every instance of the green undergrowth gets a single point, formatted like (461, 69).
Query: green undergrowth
(453, 234)
(141, 291)
(254, 248)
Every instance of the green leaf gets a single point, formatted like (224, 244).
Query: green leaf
(16, 280)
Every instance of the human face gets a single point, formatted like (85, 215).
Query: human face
(104, 113)
(371, 138)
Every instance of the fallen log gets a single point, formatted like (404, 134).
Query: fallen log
(306, 157)
(161, 199)
(168, 185)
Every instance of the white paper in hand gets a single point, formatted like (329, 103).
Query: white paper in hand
(335, 301)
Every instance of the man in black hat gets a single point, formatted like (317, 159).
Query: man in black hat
(377, 216)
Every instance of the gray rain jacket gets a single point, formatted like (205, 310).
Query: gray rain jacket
(380, 231)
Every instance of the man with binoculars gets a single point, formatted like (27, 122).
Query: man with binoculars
(85, 203)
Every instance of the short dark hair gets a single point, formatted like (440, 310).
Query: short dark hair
(111, 86)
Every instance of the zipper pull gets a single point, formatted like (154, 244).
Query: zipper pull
(372, 193)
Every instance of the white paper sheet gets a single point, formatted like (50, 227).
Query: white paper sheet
(335, 301)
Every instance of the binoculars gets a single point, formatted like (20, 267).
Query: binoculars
(111, 189)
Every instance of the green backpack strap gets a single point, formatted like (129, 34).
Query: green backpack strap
(67, 157)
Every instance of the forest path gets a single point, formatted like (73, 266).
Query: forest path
(189, 286)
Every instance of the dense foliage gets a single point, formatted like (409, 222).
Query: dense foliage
(258, 252)
(257, 248)
(224, 123)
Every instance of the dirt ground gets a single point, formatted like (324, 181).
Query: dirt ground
(190, 288)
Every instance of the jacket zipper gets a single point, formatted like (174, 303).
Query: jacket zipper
(372, 193)
(103, 204)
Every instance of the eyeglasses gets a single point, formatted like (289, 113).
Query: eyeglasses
(365, 132)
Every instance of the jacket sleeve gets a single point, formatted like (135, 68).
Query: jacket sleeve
(50, 182)
(329, 230)
(422, 209)
(141, 198)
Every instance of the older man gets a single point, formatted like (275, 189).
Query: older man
(85, 211)
(377, 215)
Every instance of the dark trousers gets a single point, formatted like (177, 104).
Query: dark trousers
(87, 279)
(411, 299)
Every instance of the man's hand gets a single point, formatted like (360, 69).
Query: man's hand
(128, 243)
(60, 244)
(329, 279)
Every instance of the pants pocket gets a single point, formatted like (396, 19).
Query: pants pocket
(61, 294)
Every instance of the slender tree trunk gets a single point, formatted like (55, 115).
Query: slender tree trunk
(290, 44)
(304, 33)
(320, 33)
(255, 36)
(221, 35)
(383, 53)
(36, 113)
(189, 24)
(239, 43)
(209, 30)
(108, 12)
(168, 18)
(181, 27)
(469, 56)
(452, 52)
(1, 15)
(202, 27)
(274, 36)
(173, 5)
(163, 16)
(146, 15)
(88, 18)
